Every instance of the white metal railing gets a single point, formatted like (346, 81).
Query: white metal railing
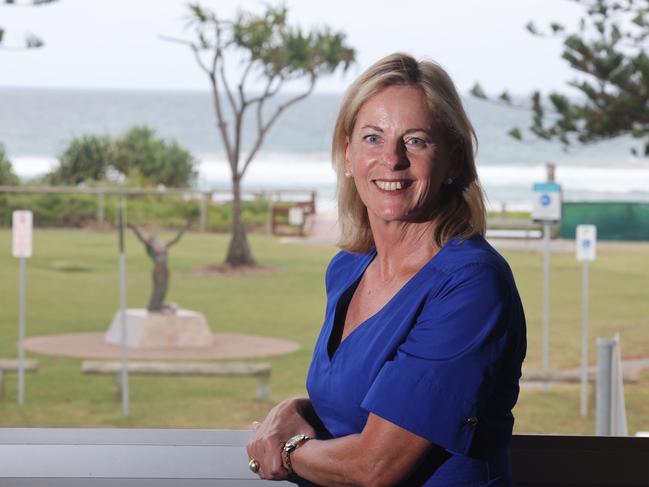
(125, 457)
(58, 457)
(205, 195)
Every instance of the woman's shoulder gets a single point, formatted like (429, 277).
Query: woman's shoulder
(344, 264)
(472, 253)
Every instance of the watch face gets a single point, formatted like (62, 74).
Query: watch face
(292, 443)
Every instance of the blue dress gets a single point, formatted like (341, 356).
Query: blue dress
(441, 359)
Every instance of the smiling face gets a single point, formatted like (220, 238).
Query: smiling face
(396, 156)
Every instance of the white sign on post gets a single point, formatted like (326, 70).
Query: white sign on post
(546, 203)
(586, 242)
(21, 224)
(295, 216)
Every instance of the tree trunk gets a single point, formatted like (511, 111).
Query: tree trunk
(239, 253)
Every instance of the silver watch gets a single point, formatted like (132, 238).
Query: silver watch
(291, 445)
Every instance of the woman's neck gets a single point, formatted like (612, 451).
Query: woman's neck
(402, 248)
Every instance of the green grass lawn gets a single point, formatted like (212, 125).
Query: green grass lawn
(72, 287)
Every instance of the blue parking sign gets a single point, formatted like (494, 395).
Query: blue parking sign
(546, 203)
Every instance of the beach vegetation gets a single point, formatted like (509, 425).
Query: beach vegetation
(86, 159)
(271, 54)
(66, 210)
(7, 175)
(136, 158)
(608, 96)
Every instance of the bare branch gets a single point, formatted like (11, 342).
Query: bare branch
(195, 49)
(221, 122)
(233, 153)
(266, 127)
(228, 91)
(268, 92)
(175, 40)
(260, 100)
(242, 83)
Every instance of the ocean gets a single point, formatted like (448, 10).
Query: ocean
(37, 124)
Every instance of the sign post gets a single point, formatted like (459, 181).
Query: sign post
(546, 209)
(122, 308)
(22, 224)
(586, 242)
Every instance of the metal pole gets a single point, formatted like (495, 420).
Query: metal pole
(21, 331)
(101, 200)
(584, 340)
(122, 310)
(203, 210)
(604, 386)
(269, 219)
(546, 299)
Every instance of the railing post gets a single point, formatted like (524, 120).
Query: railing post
(604, 386)
(203, 198)
(101, 204)
(269, 216)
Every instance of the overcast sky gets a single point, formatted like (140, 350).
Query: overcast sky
(115, 43)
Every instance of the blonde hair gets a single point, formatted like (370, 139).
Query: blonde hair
(461, 212)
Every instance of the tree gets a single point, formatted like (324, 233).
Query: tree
(87, 158)
(276, 53)
(137, 156)
(608, 50)
(155, 161)
(31, 41)
(7, 176)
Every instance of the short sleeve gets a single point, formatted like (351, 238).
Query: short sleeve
(443, 372)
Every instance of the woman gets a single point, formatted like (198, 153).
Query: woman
(416, 369)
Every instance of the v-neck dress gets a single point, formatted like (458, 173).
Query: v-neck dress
(442, 359)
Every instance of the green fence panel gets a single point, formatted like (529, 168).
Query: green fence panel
(614, 220)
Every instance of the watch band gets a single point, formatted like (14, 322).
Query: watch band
(290, 446)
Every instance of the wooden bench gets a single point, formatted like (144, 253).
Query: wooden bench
(279, 215)
(11, 365)
(221, 369)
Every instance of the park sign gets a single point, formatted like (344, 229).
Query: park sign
(546, 203)
(295, 216)
(586, 242)
(21, 225)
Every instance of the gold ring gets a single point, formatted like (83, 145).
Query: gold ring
(253, 465)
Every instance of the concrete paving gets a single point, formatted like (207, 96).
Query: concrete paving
(224, 346)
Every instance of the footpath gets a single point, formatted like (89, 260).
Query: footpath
(324, 230)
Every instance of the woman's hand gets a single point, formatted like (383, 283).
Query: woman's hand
(284, 421)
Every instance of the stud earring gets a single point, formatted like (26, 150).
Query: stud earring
(348, 173)
(449, 181)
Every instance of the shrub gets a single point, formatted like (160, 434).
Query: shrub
(138, 158)
(7, 176)
(80, 210)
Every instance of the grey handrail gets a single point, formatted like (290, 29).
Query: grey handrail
(57, 457)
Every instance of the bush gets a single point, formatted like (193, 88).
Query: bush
(87, 158)
(7, 176)
(138, 158)
(80, 210)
